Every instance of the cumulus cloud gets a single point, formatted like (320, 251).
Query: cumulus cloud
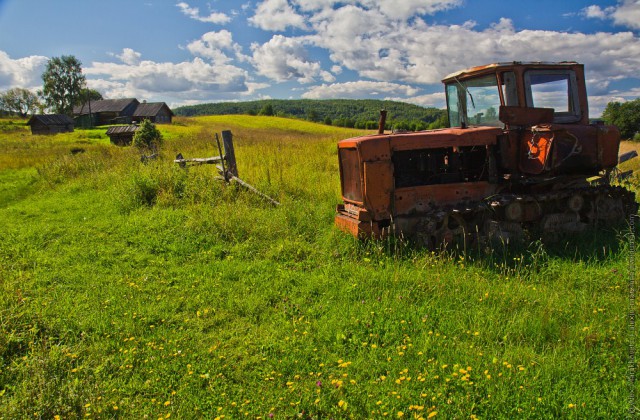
(22, 72)
(277, 15)
(194, 79)
(212, 45)
(129, 56)
(626, 13)
(194, 13)
(416, 52)
(359, 90)
(436, 100)
(596, 12)
(283, 59)
(392, 9)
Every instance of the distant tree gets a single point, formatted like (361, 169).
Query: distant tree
(148, 137)
(63, 84)
(327, 120)
(87, 95)
(20, 101)
(625, 116)
(313, 116)
(266, 110)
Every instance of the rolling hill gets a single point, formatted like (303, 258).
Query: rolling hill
(360, 113)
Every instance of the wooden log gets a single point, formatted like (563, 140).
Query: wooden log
(224, 170)
(229, 153)
(254, 190)
(199, 161)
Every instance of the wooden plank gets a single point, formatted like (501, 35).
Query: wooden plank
(214, 159)
(254, 190)
(230, 155)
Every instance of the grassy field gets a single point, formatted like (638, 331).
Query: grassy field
(133, 291)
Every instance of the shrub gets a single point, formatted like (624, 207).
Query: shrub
(147, 137)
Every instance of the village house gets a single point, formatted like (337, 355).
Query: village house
(51, 124)
(121, 111)
(157, 112)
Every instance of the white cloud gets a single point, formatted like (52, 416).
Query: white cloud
(23, 72)
(129, 56)
(597, 103)
(392, 9)
(405, 9)
(416, 52)
(596, 12)
(194, 13)
(194, 79)
(283, 59)
(360, 89)
(276, 15)
(628, 14)
(213, 44)
(436, 100)
(625, 13)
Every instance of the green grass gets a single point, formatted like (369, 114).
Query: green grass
(132, 290)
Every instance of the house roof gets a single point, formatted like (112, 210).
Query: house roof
(122, 129)
(51, 119)
(150, 109)
(105, 105)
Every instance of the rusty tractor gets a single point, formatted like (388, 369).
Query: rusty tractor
(520, 158)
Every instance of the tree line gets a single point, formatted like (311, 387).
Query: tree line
(64, 86)
(625, 116)
(352, 113)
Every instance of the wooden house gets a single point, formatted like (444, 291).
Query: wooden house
(157, 112)
(122, 135)
(51, 124)
(107, 111)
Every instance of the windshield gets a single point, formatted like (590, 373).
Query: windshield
(474, 102)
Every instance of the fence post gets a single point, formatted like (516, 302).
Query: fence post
(227, 140)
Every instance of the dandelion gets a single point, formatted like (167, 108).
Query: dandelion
(167, 403)
(571, 405)
(432, 414)
(342, 404)
(400, 414)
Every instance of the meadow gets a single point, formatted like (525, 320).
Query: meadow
(142, 290)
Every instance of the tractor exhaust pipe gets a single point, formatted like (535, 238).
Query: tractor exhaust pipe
(382, 122)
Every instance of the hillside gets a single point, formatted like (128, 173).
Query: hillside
(133, 290)
(363, 113)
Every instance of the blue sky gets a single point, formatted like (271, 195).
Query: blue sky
(192, 51)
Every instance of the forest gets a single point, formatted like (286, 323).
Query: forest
(350, 113)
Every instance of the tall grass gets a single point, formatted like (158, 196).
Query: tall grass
(133, 290)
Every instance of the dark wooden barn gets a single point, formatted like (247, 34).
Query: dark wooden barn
(50, 124)
(107, 111)
(122, 135)
(157, 112)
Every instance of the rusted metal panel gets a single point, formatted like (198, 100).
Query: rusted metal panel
(448, 137)
(608, 146)
(357, 228)
(350, 175)
(378, 188)
(423, 198)
(374, 148)
(515, 115)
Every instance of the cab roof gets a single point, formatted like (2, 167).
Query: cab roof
(506, 65)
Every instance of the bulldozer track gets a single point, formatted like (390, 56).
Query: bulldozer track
(509, 217)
